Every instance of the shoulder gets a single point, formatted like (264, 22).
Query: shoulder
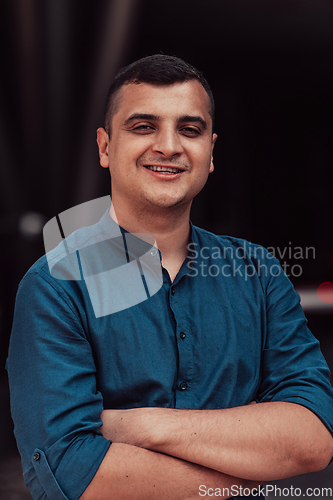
(53, 290)
(232, 247)
(58, 273)
(246, 262)
(61, 262)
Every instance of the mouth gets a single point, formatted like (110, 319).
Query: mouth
(164, 169)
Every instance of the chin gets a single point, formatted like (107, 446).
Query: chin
(166, 202)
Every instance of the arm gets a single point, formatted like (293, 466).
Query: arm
(265, 441)
(281, 436)
(128, 472)
(55, 404)
(56, 411)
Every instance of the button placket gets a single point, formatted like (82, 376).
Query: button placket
(183, 396)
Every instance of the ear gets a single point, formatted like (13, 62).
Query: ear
(103, 147)
(211, 168)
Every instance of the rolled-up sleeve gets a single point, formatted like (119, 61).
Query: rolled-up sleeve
(293, 367)
(55, 404)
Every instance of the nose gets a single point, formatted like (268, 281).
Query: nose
(167, 143)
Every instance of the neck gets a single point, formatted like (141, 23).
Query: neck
(169, 226)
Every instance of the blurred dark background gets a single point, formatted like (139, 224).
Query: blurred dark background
(270, 67)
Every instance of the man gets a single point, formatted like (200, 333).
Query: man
(171, 378)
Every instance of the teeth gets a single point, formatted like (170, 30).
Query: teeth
(165, 170)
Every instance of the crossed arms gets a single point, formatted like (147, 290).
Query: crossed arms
(168, 453)
(157, 453)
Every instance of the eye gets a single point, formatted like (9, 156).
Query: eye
(190, 131)
(144, 128)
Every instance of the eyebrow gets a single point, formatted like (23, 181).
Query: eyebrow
(141, 116)
(182, 119)
(193, 119)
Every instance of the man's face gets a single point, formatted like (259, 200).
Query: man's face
(161, 145)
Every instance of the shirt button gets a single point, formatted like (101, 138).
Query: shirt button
(153, 252)
(182, 335)
(36, 456)
(183, 386)
(172, 291)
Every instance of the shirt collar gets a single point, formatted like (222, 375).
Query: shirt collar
(134, 243)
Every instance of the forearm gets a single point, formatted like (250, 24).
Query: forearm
(259, 442)
(266, 441)
(129, 472)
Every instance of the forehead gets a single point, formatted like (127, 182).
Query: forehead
(186, 98)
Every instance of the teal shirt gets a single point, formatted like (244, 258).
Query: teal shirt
(227, 331)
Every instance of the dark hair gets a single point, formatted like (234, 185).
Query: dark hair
(158, 69)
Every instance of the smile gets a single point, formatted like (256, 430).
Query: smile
(163, 170)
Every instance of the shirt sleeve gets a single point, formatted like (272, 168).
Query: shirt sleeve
(293, 367)
(55, 404)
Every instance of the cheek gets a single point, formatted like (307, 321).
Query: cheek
(141, 148)
(201, 153)
(133, 151)
(203, 163)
